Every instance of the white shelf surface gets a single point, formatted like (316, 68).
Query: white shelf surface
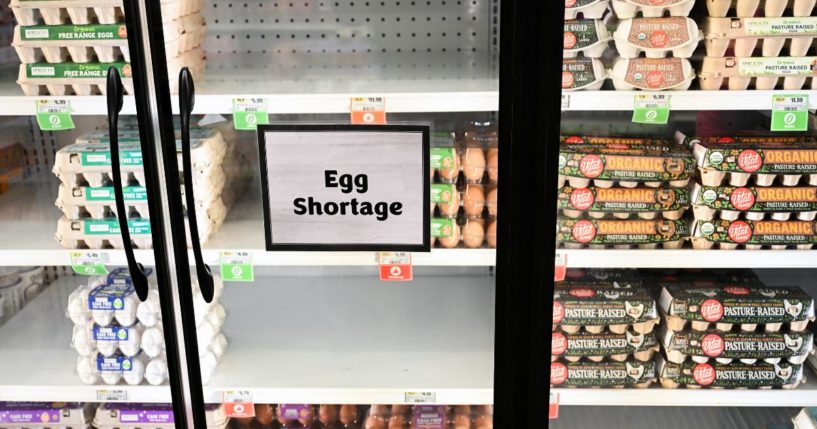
(689, 258)
(679, 100)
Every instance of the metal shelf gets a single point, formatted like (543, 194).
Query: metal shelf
(679, 100)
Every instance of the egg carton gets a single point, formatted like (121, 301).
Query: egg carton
(735, 375)
(744, 347)
(596, 309)
(583, 74)
(744, 35)
(606, 374)
(476, 201)
(657, 37)
(652, 74)
(621, 234)
(477, 165)
(151, 416)
(623, 203)
(474, 234)
(44, 415)
(589, 9)
(588, 37)
(754, 234)
(113, 370)
(83, 12)
(760, 73)
(754, 203)
(597, 347)
(626, 9)
(749, 8)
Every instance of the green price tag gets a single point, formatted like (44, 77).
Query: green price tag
(89, 263)
(54, 115)
(651, 109)
(236, 267)
(248, 113)
(790, 112)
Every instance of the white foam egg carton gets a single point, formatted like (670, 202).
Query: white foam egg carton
(749, 8)
(589, 9)
(657, 37)
(98, 203)
(652, 74)
(151, 416)
(45, 415)
(744, 35)
(761, 73)
(626, 9)
(583, 74)
(84, 12)
(588, 37)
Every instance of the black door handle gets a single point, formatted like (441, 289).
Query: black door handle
(187, 98)
(115, 100)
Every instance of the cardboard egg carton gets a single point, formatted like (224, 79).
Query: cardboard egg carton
(754, 202)
(594, 309)
(657, 37)
(621, 233)
(45, 415)
(583, 73)
(588, 9)
(84, 12)
(789, 73)
(626, 9)
(605, 374)
(750, 8)
(652, 74)
(151, 416)
(597, 347)
(744, 35)
(745, 347)
(623, 203)
(735, 375)
(754, 234)
(588, 37)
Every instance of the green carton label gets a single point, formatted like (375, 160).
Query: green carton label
(74, 32)
(442, 227)
(76, 70)
(780, 26)
(443, 157)
(442, 193)
(108, 227)
(106, 193)
(782, 66)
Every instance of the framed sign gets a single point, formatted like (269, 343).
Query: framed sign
(345, 187)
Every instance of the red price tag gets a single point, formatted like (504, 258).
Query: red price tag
(238, 403)
(560, 271)
(368, 110)
(553, 409)
(395, 266)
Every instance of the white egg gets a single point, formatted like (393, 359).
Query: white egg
(102, 317)
(208, 364)
(78, 306)
(153, 341)
(149, 312)
(205, 333)
(133, 343)
(107, 348)
(156, 371)
(83, 340)
(200, 308)
(86, 369)
(214, 319)
(111, 377)
(218, 287)
(126, 316)
(136, 373)
(218, 346)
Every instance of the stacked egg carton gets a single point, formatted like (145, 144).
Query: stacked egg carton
(622, 192)
(119, 338)
(465, 191)
(151, 416)
(45, 415)
(585, 40)
(754, 192)
(603, 324)
(429, 416)
(67, 47)
(86, 195)
(747, 50)
(722, 333)
(18, 286)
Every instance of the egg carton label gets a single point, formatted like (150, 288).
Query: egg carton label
(780, 26)
(739, 345)
(659, 33)
(655, 73)
(656, 2)
(780, 66)
(99, 154)
(109, 296)
(588, 306)
(114, 363)
(441, 228)
(76, 70)
(111, 333)
(428, 417)
(74, 32)
(111, 227)
(441, 140)
(619, 278)
(142, 415)
(106, 193)
(758, 198)
(736, 304)
(580, 33)
(442, 157)
(760, 232)
(735, 374)
(577, 72)
(122, 276)
(578, 3)
(770, 155)
(132, 136)
(442, 193)
(583, 344)
(294, 411)
(620, 199)
(630, 231)
(601, 374)
(28, 412)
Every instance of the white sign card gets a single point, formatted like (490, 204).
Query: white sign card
(346, 187)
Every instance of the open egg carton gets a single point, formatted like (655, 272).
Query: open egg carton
(734, 375)
(767, 8)
(765, 37)
(151, 416)
(85, 12)
(45, 415)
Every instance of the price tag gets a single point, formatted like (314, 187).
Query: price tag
(111, 395)
(248, 113)
(560, 271)
(54, 115)
(565, 101)
(236, 267)
(553, 409)
(395, 266)
(420, 397)
(89, 263)
(238, 403)
(651, 109)
(368, 110)
(790, 112)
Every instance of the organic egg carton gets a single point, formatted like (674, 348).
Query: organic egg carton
(594, 309)
(45, 415)
(151, 416)
(583, 73)
(745, 347)
(588, 37)
(82, 12)
(596, 347)
(754, 203)
(626, 9)
(588, 9)
(657, 37)
(735, 375)
(754, 234)
(474, 234)
(652, 74)
(761, 73)
(621, 234)
(744, 35)
(606, 374)
(749, 8)
(728, 305)
(623, 203)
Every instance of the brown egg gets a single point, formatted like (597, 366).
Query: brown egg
(328, 414)
(400, 409)
(243, 422)
(374, 422)
(484, 410)
(490, 234)
(348, 414)
(490, 201)
(462, 409)
(493, 165)
(431, 173)
(462, 421)
(473, 200)
(433, 241)
(473, 234)
(450, 173)
(453, 240)
(431, 207)
(379, 410)
(264, 414)
(398, 421)
(473, 164)
(484, 422)
(450, 209)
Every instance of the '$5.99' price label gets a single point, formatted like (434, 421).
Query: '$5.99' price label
(238, 403)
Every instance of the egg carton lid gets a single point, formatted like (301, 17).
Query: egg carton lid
(31, 414)
(158, 416)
